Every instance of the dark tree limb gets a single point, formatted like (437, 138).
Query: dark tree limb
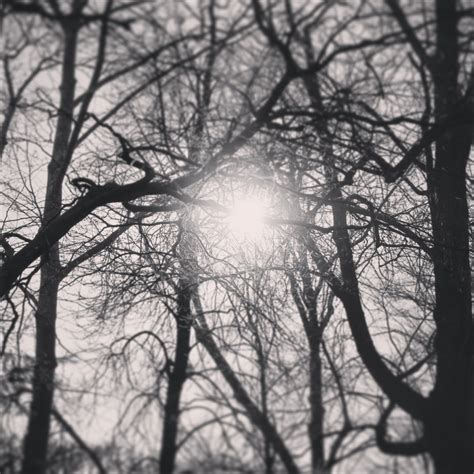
(399, 448)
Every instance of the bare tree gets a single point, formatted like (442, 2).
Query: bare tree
(127, 129)
(431, 163)
(69, 23)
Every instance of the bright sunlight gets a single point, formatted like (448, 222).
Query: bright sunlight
(247, 219)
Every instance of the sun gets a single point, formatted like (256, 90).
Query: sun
(246, 220)
(242, 223)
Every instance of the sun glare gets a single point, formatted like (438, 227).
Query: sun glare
(247, 219)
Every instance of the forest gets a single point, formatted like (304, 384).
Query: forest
(235, 236)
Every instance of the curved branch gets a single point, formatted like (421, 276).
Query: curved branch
(409, 448)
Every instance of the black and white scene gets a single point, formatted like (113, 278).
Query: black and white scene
(236, 236)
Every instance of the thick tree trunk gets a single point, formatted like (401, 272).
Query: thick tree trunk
(176, 380)
(36, 439)
(449, 424)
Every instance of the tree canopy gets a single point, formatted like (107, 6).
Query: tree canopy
(236, 236)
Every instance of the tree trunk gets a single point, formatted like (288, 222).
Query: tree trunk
(306, 301)
(449, 426)
(35, 444)
(176, 380)
(307, 309)
(268, 456)
(316, 428)
(36, 439)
